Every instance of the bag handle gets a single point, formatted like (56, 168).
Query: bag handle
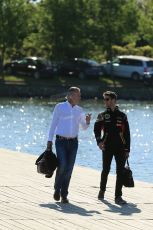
(127, 163)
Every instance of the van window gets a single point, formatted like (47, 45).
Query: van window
(149, 63)
(116, 60)
(131, 62)
(123, 61)
(134, 62)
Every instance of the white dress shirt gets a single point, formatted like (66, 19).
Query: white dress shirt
(66, 120)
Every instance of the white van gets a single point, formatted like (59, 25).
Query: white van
(130, 66)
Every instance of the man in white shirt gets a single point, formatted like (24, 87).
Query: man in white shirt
(67, 117)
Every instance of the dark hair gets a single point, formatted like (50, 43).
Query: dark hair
(110, 94)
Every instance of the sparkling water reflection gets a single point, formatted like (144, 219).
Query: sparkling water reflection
(24, 127)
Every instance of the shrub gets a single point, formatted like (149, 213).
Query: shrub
(130, 49)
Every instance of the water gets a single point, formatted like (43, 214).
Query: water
(25, 122)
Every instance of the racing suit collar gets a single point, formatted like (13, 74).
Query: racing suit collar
(109, 109)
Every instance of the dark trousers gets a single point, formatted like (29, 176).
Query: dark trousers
(120, 159)
(66, 153)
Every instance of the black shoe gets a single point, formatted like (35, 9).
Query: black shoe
(101, 195)
(56, 196)
(120, 201)
(64, 200)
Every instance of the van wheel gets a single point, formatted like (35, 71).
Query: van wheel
(135, 76)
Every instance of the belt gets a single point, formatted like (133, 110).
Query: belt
(66, 138)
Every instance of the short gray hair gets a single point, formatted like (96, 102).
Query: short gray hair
(72, 90)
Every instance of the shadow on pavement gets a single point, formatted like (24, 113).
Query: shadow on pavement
(126, 209)
(70, 208)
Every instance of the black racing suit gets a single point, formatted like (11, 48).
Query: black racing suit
(116, 139)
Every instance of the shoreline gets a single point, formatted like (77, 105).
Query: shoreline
(88, 91)
(32, 156)
(76, 164)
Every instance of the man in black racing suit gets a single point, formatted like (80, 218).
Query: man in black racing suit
(115, 142)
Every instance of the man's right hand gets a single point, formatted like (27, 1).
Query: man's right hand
(101, 146)
(49, 145)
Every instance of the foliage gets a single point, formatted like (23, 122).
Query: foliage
(60, 29)
(67, 26)
(130, 49)
(117, 20)
(145, 27)
(13, 25)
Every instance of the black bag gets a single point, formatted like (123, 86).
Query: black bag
(46, 163)
(127, 177)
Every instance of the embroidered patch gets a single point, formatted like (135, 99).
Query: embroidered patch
(107, 116)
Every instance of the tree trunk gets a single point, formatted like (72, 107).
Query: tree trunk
(2, 62)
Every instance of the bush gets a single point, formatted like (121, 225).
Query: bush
(130, 49)
(146, 51)
(119, 50)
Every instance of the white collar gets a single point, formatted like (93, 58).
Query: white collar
(70, 105)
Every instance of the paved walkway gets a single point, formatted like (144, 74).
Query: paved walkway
(26, 201)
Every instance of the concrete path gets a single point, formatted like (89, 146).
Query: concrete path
(26, 201)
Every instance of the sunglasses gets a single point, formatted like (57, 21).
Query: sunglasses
(106, 99)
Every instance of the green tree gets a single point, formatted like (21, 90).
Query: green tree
(13, 25)
(117, 19)
(145, 27)
(130, 21)
(33, 43)
(68, 27)
(109, 15)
